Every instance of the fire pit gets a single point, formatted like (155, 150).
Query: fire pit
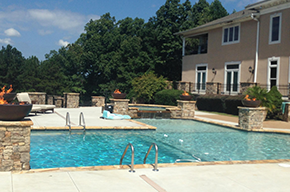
(12, 111)
(118, 95)
(185, 96)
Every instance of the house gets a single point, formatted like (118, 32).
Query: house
(247, 47)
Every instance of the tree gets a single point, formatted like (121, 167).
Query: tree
(216, 10)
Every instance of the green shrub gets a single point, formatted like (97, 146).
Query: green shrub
(276, 96)
(219, 103)
(147, 85)
(232, 103)
(167, 97)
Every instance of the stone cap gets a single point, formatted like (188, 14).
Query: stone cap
(37, 93)
(122, 100)
(98, 97)
(183, 101)
(65, 93)
(253, 108)
(22, 123)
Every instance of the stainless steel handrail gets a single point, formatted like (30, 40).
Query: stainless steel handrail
(132, 156)
(67, 121)
(80, 121)
(156, 156)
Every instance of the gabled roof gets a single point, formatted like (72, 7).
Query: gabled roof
(237, 17)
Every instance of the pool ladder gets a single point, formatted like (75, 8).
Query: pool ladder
(144, 161)
(81, 122)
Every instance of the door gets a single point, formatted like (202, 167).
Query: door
(201, 78)
(232, 78)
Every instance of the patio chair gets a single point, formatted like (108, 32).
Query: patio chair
(24, 97)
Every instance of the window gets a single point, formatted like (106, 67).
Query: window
(275, 28)
(232, 77)
(273, 72)
(201, 73)
(196, 45)
(231, 35)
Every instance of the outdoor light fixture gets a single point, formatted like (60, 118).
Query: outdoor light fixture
(251, 70)
(213, 71)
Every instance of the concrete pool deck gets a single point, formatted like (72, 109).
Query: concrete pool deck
(219, 178)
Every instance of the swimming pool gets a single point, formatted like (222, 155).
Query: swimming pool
(176, 139)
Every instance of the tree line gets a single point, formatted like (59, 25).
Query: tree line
(111, 53)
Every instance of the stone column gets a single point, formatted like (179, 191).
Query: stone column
(252, 118)
(71, 100)
(133, 112)
(245, 85)
(120, 106)
(187, 108)
(98, 101)
(37, 97)
(213, 88)
(15, 145)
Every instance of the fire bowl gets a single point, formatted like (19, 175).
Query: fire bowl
(9, 96)
(250, 103)
(186, 97)
(14, 112)
(119, 95)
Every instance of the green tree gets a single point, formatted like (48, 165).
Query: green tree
(216, 10)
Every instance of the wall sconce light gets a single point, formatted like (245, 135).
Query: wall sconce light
(251, 70)
(213, 71)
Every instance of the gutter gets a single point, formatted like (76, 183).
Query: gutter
(257, 47)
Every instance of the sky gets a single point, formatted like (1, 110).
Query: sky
(35, 27)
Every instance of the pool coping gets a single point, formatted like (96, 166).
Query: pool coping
(142, 126)
(145, 166)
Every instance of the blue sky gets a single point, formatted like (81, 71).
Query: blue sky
(35, 27)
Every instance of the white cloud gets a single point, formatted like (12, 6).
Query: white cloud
(44, 32)
(63, 43)
(6, 41)
(12, 32)
(65, 20)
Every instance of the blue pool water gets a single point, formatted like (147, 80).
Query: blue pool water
(176, 139)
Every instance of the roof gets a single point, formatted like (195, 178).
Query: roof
(237, 17)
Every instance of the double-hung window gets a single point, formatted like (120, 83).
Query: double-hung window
(231, 35)
(275, 28)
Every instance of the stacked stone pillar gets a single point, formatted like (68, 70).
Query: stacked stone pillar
(98, 101)
(187, 108)
(120, 106)
(37, 97)
(72, 100)
(15, 145)
(251, 119)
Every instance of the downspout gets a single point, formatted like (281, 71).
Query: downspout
(183, 46)
(257, 48)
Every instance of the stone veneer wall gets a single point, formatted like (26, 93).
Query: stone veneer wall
(251, 118)
(37, 97)
(120, 106)
(133, 112)
(98, 101)
(213, 88)
(15, 145)
(245, 85)
(71, 100)
(176, 112)
(187, 108)
(56, 100)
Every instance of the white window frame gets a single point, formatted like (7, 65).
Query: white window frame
(206, 75)
(270, 31)
(269, 71)
(225, 76)
(232, 42)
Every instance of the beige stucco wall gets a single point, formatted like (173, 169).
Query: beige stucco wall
(219, 54)
(244, 52)
(281, 50)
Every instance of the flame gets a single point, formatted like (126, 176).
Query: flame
(185, 93)
(117, 91)
(248, 99)
(2, 100)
